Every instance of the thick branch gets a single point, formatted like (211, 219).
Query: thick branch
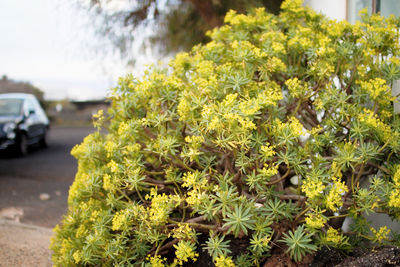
(280, 179)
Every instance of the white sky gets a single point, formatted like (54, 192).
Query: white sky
(42, 42)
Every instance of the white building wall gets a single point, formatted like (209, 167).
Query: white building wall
(334, 9)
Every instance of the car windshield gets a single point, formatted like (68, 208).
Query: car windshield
(10, 107)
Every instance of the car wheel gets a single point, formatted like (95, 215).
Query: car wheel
(22, 146)
(43, 140)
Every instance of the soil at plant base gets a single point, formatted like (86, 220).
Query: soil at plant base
(385, 256)
(367, 257)
(375, 257)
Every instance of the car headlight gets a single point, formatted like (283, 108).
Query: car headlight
(9, 128)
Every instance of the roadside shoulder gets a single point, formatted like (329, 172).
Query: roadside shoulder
(24, 245)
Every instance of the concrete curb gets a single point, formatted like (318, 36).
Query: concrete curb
(23, 226)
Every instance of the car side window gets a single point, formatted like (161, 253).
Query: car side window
(29, 107)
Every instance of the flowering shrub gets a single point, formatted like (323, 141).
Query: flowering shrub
(264, 136)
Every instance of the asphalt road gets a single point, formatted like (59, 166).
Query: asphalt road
(50, 171)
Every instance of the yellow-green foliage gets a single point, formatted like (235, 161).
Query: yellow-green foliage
(263, 135)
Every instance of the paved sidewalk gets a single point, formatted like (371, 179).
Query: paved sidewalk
(24, 245)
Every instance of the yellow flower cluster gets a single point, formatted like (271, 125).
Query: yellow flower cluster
(192, 152)
(123, 128)
(335, 168)
(275, 64)
(184, 232)
(120, 220)
(293, 125)
(336, 29)
(240, 19)
(394, 198)
(396, 176)
(296, 127)
(132, 148)
(324, 51)
(81, 149)
(206, 85)
(193, 139)
(246, 123)
(269, 97)
(77, 256)
(107, 183)
(276, 37)
(194, 197)
(332, 235)
(98, 118)
(235, 117)
(269, 171)
(82, 231)
(229, 100)
(315, 219)
(313, 188)
(381, 234)
(267, 150)
(319, 104)
(198, 183)
(296, 88)
(370, 119)
(113, 166)
(300, 43)
(375, 87)
(110, 146)
(77, 150)
(316, 130)
(173, 82)
(194, 180)
(231, 114)
(205, 68)
(156, 261)
(184, 252)
(231, 121)
(144, 88)
(334, 197)
(183, 109)
(294, 6)
(278, 48)
(181, 62)
(215, 124)
(161, 205)
(250, 107)
(245, 47)
(322, 69)
(362, 70)
(66, 245)
(224, 261)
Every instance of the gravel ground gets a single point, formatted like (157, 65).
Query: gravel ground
(24, 245)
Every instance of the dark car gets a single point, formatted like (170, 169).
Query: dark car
(22, 122)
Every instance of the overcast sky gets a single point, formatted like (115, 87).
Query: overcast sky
(43, 42)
